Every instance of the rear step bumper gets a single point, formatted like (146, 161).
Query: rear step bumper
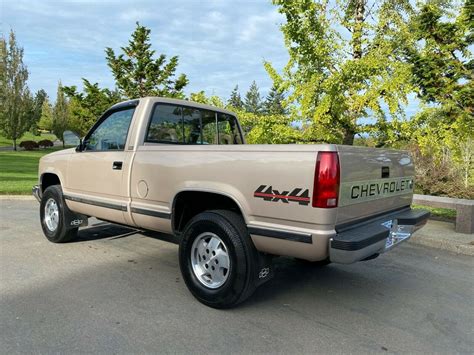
(364, 240)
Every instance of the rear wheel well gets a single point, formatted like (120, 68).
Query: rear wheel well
(48, 180)
(188, 204)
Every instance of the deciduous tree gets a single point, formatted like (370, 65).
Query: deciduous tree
(15, 98)
(442, 65)
(344, 64)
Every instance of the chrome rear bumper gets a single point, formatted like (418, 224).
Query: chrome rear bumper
(36, 191)
(379, 235)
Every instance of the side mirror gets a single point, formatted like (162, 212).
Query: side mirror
(72, 139)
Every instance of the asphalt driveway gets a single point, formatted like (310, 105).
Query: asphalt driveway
(117, 291)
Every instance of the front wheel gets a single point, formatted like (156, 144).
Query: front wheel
(217, 259)
(53, 216)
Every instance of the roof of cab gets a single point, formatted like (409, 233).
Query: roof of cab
(186, 103)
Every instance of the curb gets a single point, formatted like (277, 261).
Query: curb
(462, 249)
(17, 197)
(442, 235)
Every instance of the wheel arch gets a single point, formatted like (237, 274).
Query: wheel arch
(183, 209)
(48, 179)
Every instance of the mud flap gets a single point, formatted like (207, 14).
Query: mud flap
(75, 220)
(264, 268)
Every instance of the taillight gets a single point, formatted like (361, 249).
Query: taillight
(326, 180)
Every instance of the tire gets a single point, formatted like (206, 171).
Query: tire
(54, 224)
(225, 289)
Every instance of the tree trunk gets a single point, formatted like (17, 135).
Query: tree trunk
(357, 33)
(348, 138)
(14, 144)
(357, 29)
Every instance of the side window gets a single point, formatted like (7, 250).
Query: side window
(191, 125)
(166, 125)
(228, 129)
(209, 127)
(111, 133)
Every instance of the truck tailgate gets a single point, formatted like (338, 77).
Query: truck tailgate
(373, 181)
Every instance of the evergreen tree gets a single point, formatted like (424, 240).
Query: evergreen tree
(15, 97)
(46, 119)
(273, 104)
(60, 114)
(138, 74)
(39, 99)
(235, 100)
(253, 102)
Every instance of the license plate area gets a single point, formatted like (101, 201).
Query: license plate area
(398, 233)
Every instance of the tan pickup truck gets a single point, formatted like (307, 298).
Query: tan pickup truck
(183, 168)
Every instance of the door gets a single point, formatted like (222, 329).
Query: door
(96, 179)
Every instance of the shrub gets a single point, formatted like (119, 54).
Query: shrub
(45, 143)
(29, 145)
(438, 176)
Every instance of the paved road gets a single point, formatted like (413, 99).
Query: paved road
(121, 292)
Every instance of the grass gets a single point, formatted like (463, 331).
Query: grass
(27, 137)
(441, 213)
(19, 170)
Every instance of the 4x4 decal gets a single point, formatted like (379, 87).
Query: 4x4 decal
(269, 194)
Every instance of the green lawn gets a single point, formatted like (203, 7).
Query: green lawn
(27, 137)
(19, 170)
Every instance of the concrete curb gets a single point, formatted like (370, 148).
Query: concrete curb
(17, 197)
(441, 235)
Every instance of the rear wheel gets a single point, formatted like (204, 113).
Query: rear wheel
(53, 211)
(217, 259)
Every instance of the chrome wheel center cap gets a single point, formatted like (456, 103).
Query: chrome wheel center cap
(210, 260)
(51, 214)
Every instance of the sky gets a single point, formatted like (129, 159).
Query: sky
(220, 43)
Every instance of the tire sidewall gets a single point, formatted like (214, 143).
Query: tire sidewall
(55, 193)
(227, 294)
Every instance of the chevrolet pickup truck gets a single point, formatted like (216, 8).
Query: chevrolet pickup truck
(183, 168)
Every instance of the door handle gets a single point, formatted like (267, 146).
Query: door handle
(117, 165)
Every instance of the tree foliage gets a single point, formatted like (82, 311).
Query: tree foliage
(39, 99)
(137, 73)
(253, 101)
(235, 100)
(46, 120)
(442, 66)
(60, 114)
(201, 98)
(273, 104)
(87, 106)
(16, 101)
(344, 64)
